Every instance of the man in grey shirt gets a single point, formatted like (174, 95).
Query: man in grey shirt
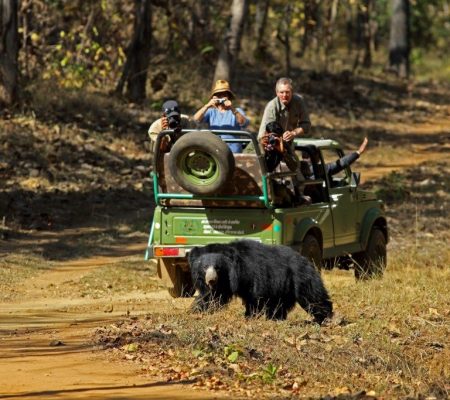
(289, 110)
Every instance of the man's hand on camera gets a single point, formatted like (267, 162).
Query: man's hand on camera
(265, 140)
(164, 123)
(211, 103)
(227, 103)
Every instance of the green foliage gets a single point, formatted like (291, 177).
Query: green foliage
(231, 353)
(430, 24)
(81, 44)
(76, 44)
(269, 373)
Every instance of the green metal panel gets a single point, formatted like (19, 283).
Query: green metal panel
(344, 207)
(296, 222)
(199, 226)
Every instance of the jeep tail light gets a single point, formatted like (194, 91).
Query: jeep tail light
(166, 251)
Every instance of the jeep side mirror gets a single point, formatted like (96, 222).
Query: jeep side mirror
(356, 178)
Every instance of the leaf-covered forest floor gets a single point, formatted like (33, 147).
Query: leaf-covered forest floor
(77, 299)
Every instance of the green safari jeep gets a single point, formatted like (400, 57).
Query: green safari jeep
(206, 194)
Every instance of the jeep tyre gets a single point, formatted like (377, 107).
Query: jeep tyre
(311, 249)
(371, 263)
(201, 163)
(177, 280)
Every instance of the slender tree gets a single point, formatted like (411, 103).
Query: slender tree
(399, 41)
(262, 8)
(134, 74)
(311, 11)
(198, 28)
(364, 34)
(232, 41)
(284, 36)
(9, 48)
(329, 29)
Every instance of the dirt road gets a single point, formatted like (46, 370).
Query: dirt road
(45, 348)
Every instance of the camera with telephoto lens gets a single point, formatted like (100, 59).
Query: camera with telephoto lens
(275, 132)
(172, 112)
(174, 121)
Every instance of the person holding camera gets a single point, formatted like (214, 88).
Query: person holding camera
(171, 119)
(276, 150)
(219, 113)
(289, 110)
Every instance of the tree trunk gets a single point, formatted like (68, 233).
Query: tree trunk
(284, 36)
(363, 37)
(138, 54)
(399, 45)
(198, 27)
(262, 8)
(232, 41)
(331, 18)
(367, 59)
(311, 11)
(9, 49)
(349, 27)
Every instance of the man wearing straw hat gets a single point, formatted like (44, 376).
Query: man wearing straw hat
(219, 113)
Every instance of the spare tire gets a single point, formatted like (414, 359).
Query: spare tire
(201, 162)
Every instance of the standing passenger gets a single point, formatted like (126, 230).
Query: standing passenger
(289, 110)
(219, 113)
(171, 119)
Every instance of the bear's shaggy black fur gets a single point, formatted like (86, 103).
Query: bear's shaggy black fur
(269, 279)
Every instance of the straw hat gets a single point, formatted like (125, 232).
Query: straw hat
(222, 86)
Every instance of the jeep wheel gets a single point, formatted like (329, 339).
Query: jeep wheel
(371, 263)
(311, 249)
(201, 162)
(177, 281)
(182, 285)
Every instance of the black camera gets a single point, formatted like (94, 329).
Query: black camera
(174, 121)
(274, 139)
(172, 113)
(275, 132)
(221, 101)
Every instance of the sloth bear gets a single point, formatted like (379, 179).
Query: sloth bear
(268, 279)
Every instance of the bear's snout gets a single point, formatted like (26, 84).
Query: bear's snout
(211, 276)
